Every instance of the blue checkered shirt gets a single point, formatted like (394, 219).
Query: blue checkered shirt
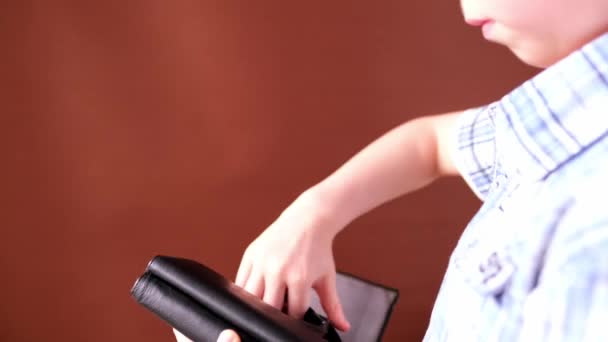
(532, 265)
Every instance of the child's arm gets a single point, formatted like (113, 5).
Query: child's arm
(405, 159)
(294, 254)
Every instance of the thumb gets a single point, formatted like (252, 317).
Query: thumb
(180, 337)
(228, 336)
(328, 295)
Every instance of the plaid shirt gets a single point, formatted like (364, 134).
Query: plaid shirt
(532, 265)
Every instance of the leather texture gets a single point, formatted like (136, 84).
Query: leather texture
(200, 303)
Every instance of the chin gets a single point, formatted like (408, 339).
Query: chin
(537, 58)
(534, 62)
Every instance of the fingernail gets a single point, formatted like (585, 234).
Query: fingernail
(346, 322)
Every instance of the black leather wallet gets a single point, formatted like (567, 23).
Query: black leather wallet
(201, 303)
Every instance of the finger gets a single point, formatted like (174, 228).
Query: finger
(244, 270)
(255, 284)
(243, 273)
(180, 337)
(228, 336)
(328, 296)
(298, 299)
(274, 292)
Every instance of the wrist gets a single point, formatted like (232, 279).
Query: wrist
(331, 211)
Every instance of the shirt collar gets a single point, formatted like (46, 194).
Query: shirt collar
(556, 115)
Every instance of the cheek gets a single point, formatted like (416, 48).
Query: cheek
(521, 15)
(527, 27)
(539, 19)
(533, 47)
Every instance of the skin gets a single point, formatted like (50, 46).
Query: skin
(538, 32)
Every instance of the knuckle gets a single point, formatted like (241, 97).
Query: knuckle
(274, 272)
(298, 279)
(278, 269)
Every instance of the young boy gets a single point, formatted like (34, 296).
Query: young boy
(532, 265)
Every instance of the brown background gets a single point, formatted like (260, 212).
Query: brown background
(133, 128)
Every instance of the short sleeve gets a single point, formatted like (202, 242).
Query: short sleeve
(474, 151)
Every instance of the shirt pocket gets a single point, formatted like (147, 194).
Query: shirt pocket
(487, 271)
(483, 255)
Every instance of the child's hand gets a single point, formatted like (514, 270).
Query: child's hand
(179, 337)
(225, 336)
(292, 256)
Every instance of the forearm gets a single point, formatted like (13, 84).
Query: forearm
(403, 160)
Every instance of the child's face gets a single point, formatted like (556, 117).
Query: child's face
(539, 32)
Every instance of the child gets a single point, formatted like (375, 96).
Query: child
(533, 263)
